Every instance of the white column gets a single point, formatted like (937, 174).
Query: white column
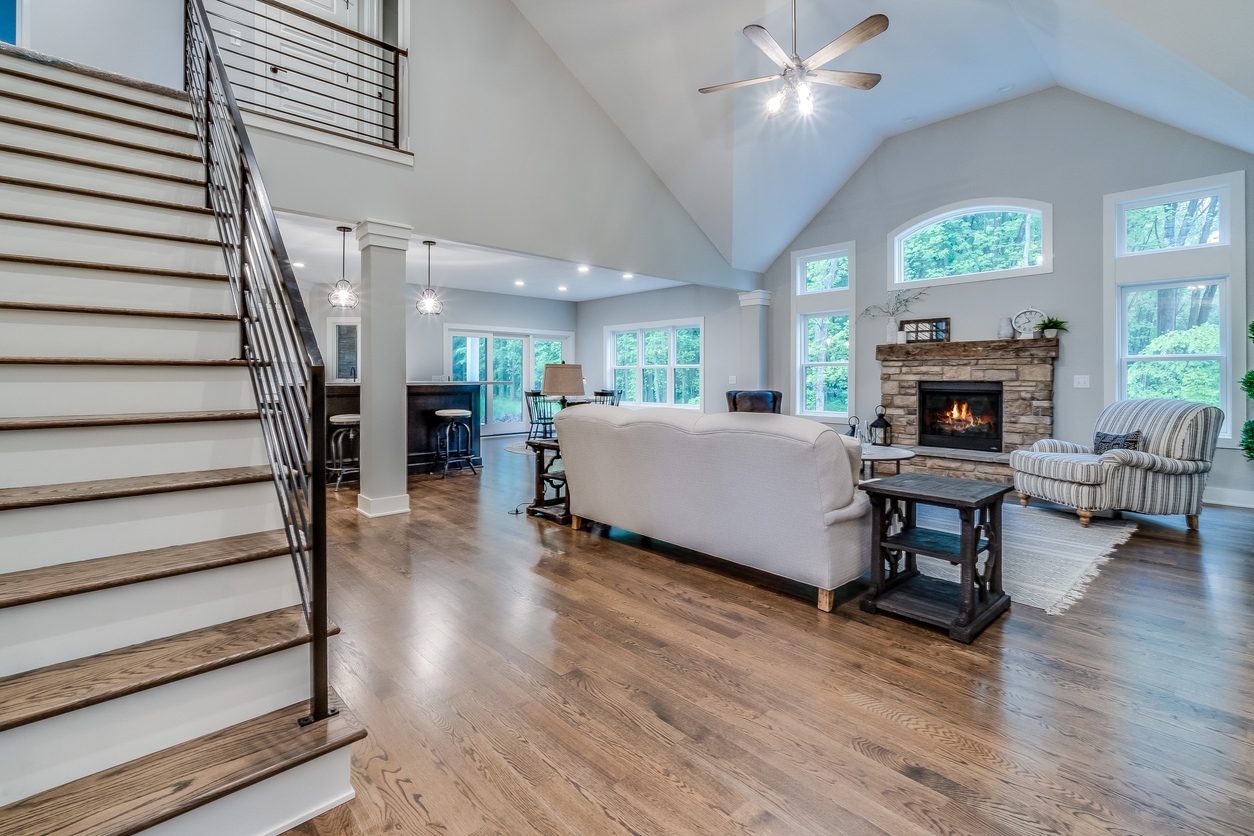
(384, 444)
(754, 315)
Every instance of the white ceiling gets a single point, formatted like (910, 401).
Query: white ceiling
(314, 243)
(753, 183)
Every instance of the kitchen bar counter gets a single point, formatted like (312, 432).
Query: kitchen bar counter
(425, 397)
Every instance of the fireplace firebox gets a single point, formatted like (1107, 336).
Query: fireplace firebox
(962, 414)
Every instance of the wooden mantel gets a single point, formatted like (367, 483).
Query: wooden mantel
(971, 350)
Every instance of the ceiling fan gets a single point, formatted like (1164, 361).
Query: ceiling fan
(798, 73)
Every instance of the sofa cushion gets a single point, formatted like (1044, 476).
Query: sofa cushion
(1082, 468)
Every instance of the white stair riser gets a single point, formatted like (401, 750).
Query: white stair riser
(103, 152)
(46, 536)
(48, 241)
(49, 632)
(51, 70)
(52, 752)
(273, 806)
(101, 180)
(88, 101)
(106, 128)
(83, 454)
(107, 288)
(45, 203)
(34, 390)
(39, 334)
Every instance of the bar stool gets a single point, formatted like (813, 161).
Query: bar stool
(453, 440)
(345, 425)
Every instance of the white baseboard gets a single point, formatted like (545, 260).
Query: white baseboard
(382, 506)
(1228, 496)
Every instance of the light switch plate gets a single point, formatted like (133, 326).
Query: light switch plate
(1081, 381)
(731, 378)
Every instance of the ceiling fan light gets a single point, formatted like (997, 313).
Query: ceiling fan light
(774, 103)
(805, 105)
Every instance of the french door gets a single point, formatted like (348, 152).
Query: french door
(515, 360)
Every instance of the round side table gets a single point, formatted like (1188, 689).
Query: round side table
(872, 453)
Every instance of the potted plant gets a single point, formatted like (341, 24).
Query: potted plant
(1247, 435)
(1051, 325)
(897, 303)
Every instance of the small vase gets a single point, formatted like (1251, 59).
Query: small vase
(891, 330)
(1051, 333)
(1005, 329)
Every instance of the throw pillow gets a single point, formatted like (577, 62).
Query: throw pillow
(1114, 441)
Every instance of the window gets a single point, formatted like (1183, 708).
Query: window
(657, 364)
(1171, 342)
(823, 270)
(1174, 295)
(973, 241)
(825, 363)
(344, 338)
(1179, 222)
(516, 359)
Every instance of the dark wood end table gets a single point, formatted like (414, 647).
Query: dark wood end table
(964, 608)
(557, 506)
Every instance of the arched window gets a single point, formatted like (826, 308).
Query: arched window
(975, 240)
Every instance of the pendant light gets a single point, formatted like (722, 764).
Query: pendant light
(428, 304)
(343, 295)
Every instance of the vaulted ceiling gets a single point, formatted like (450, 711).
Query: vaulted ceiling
(752, 182)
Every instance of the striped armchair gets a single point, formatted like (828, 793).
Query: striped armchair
(1166, 475)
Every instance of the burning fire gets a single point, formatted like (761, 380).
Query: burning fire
(959, 418)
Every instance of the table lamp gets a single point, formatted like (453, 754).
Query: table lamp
(564, 379)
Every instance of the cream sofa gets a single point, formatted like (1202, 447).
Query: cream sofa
(774, 492)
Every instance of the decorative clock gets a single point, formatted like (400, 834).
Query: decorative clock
(1025, 321)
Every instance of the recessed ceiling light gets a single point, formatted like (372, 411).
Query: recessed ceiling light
(628, 275)
(519, 282)
(562, 287)
(298, 264)
(908, 119)
(583, 268)
(1005, 88)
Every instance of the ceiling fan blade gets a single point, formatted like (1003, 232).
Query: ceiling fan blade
(762, 40)
(840, 78)
(744, 83)
(863, 32)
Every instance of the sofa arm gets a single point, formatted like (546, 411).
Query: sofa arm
(1053, 445)
(1155, 464)
(860, 506)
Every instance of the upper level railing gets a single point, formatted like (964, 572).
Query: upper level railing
(294, 66)
(276, 337)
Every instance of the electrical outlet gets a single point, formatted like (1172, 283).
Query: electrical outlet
(731, 378)
(1080, 381)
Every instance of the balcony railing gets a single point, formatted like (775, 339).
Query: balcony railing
(290, 65)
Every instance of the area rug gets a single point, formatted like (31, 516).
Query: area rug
(519, 447)
(1048, 558)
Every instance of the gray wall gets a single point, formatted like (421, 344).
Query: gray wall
(721, 309)
(141, 39)
(1054, 146)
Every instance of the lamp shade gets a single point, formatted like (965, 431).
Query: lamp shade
(565, 379)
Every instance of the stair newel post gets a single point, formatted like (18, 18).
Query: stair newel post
(320, 700)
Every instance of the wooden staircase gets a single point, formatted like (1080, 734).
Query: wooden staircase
(154, 653)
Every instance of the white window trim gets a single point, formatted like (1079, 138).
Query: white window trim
(800, 257)
(1158, 198)
(896, 259)
(799, 366)
(333, 360)
(608, 344)
(1182, 264)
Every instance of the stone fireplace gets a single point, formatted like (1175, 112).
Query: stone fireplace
(964, 406)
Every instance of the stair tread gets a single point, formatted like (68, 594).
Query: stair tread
(97, 114)
(113, 361)
(90, 137)
(110, 230)
(93, 193)
(54, 422)
(49, 307)
(88, 91)
(147, 791)
(114, 268)
(40, 495)
(47, 582)
(117, 168)
(46, 692)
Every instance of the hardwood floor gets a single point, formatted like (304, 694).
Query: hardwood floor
(518, 677)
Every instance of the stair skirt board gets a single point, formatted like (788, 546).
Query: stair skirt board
(273, 806)
(55, 334)
(53, 534)
(51, 752)
(31, 458)
(48, 632)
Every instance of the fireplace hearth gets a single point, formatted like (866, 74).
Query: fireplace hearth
(964, 415)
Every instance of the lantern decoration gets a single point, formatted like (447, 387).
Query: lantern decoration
(881, 429)
(855, 424)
